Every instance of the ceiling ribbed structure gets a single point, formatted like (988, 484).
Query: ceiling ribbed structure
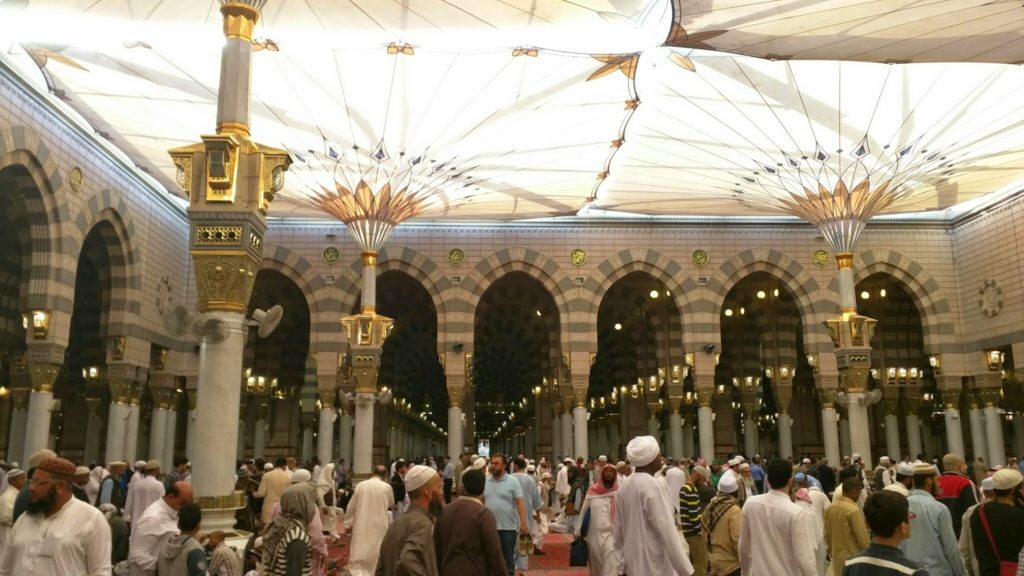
(514, 109)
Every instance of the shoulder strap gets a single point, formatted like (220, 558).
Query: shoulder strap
(988, 531)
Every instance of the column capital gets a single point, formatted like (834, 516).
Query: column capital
(989, 397)
(705, 397)
(456, 395)
(43, 375)
(829, 397)
(890, 406)
(911, 406)
(19, 398)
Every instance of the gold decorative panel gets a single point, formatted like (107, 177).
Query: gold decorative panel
(218, 236)
(224, 280)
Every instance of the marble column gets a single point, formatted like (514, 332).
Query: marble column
(190, 429)
(556, 438)
(362, 450)
(785, 435)
(307, 442)
(579, 418)
(688, 440)
(913, 423)
(614, 440)
(979, 442)
(93, 430)
(117, 421)
(750, 433)
(654, 428)
(325, 434)
(157, 434)
(131, 430)
(170, 434)
(829, 428)
(40, 402)
(892, 430)
(845, 443)
(345, 437)
(994, 436)
(954, 431)
(567, 443)
(1018, 433)
(19, 418)
(675, 426)
(259, 439)
(706, 424)
(240, 441)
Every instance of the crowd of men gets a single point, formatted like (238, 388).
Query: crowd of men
(489, 516)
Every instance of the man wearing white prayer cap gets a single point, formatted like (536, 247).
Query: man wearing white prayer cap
(646, 539)
(301, 475)
(408, 546)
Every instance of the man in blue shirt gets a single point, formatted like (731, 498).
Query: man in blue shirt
(932, 544)
(757, 472)
(503, 496)
(888, 515)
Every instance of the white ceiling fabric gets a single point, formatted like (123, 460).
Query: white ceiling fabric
(515, 109)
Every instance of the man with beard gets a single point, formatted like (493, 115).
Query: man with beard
(110, 486)
(722, 523)
(408, 546)
(531, 502)
(142, 493)
(366, 517)
(58, 535)
(932, 543)
(504, 497)
(601, 532)
(156, 524)
(398, 487)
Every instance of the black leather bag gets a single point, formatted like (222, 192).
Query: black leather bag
(578, 552)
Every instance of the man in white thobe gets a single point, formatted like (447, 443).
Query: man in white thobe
(775, 536)
(646, 540)
(58, 535)
(155, 526)
(15, 480)
(367, 518)
(142, 493)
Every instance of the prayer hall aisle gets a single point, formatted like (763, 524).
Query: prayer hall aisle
(554, 562)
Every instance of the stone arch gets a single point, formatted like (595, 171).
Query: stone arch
(123, 301)
(537, 266)
(939, 329)
(424, 271)
(812, 302)
(46, 211)
(325, 301)
(654, 263)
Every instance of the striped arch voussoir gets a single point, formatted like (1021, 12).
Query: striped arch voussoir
(924, 289)
(423, 270)
(537, 266)
(112, 222)
(325, 301)
(813, 300)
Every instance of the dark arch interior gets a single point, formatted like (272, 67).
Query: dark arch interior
(15, 259)
(284, 353)
(516, 343)
(409, 364)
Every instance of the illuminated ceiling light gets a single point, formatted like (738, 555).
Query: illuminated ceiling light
(538, 313)
(618, 326)
(865, 295)
(775, 293)
(742, 311)
(761, 295)
(882, 293)
(728, 311)
(654, 293)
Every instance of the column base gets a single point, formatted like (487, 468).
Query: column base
(219, 511)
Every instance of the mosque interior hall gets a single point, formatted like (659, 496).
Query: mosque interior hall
(369, 230)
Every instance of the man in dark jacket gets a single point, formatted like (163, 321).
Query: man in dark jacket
(466, 536)
(827, 476)
(958, 492)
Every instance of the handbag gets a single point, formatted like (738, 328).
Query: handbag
(578, 552)
(1006, 568)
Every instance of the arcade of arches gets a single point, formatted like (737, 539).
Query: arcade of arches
(135, 317)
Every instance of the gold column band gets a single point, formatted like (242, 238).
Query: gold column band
(239, 20)
(370, 259)
(844, 260)
(230, 127)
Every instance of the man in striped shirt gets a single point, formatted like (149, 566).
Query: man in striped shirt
(689, 519)
(888, 515)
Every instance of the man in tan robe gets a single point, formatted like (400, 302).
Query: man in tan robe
(408, 546)
(271, 486)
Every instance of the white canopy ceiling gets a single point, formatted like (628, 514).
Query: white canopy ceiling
(512, 109)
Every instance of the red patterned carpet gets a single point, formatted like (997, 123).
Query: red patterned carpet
(554, 562)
